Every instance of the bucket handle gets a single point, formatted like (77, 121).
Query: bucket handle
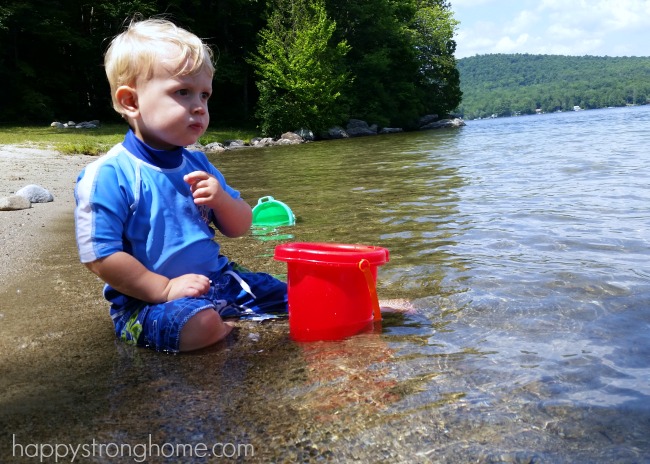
(265, 199)
(364, 266)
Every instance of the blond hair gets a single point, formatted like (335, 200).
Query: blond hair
(133, 53)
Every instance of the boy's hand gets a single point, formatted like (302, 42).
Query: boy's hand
(205, 188)
(129, 276)
(188, 285)
(233, 216)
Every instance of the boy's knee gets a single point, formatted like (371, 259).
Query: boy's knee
(203, 329)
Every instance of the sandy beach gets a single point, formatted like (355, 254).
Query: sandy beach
(52, 311)
(26, 233)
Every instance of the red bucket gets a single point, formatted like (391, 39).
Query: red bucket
(332, 288)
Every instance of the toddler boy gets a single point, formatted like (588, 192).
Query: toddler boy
(144, 209)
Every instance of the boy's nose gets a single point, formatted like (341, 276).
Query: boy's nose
(200, 108)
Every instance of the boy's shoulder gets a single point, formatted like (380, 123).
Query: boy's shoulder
(117, 157)
(115, 153)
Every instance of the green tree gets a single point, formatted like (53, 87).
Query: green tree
(300, 73)
(553, 82)
(433, 28)
(51, 57)
(381, 58)
(401, 57)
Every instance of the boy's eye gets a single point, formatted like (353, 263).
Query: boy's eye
(205, 95)
(183, 92)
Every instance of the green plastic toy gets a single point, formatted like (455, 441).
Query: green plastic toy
(271, 212)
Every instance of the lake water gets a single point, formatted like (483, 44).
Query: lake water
(523, 245)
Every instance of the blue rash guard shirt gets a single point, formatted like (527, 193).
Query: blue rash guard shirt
(134, 199)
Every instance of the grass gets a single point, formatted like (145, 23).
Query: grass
(95, 141)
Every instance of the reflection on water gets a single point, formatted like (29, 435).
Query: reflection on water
(523, 246)
(523, 243)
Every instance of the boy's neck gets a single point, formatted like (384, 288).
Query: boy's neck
(166, 159)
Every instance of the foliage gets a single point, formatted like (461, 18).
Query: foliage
(522, 84)
(300, 74)
(433, 28)
(399, 58)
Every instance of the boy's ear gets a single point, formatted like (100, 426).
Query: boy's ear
(127, 97)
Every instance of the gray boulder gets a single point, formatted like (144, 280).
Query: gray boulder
(391, 130)
(261, 142)
(456, 122)
(214, 147)
(336, 132)
(234, 143)
(35, 194)
(289, 138)
(195, 147)
(428, 119)
(14, 202)
(306, 134)
(359, 128)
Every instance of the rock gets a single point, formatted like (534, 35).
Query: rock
(360, 132)
(359, 128)
(214, 147)
(195, 147)
(356, 124)
(427, 119)
(86, 125)
(289, 138)
(444, 123)
(391, 130)
(94, 124)
(306, 134)
(262, 142)
(336, 132)
(35, 194)
(14, 202)
(234, 143)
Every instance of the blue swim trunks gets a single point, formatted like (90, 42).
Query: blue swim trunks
(236, 292)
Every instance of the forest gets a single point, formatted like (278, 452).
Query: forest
(281, 64)
(512, 84)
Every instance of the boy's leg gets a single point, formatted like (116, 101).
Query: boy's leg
(238, 292)
(178, 325)
(203, 329)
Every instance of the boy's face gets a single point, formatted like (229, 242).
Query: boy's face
(171, 111)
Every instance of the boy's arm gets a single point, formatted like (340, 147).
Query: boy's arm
(233, 216)
(128, 276)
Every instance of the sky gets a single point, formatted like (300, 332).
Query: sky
(552, 27)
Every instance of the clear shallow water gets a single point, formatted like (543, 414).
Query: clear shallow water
(523, 245)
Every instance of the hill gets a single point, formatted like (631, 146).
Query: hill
(509, 84)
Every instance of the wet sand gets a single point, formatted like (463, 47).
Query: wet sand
(52, 317)
(66, 379)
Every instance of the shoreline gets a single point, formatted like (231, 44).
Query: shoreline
(27, 233)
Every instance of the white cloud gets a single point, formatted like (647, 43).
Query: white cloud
(508, 45)
(568, 27)
(524, 21)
